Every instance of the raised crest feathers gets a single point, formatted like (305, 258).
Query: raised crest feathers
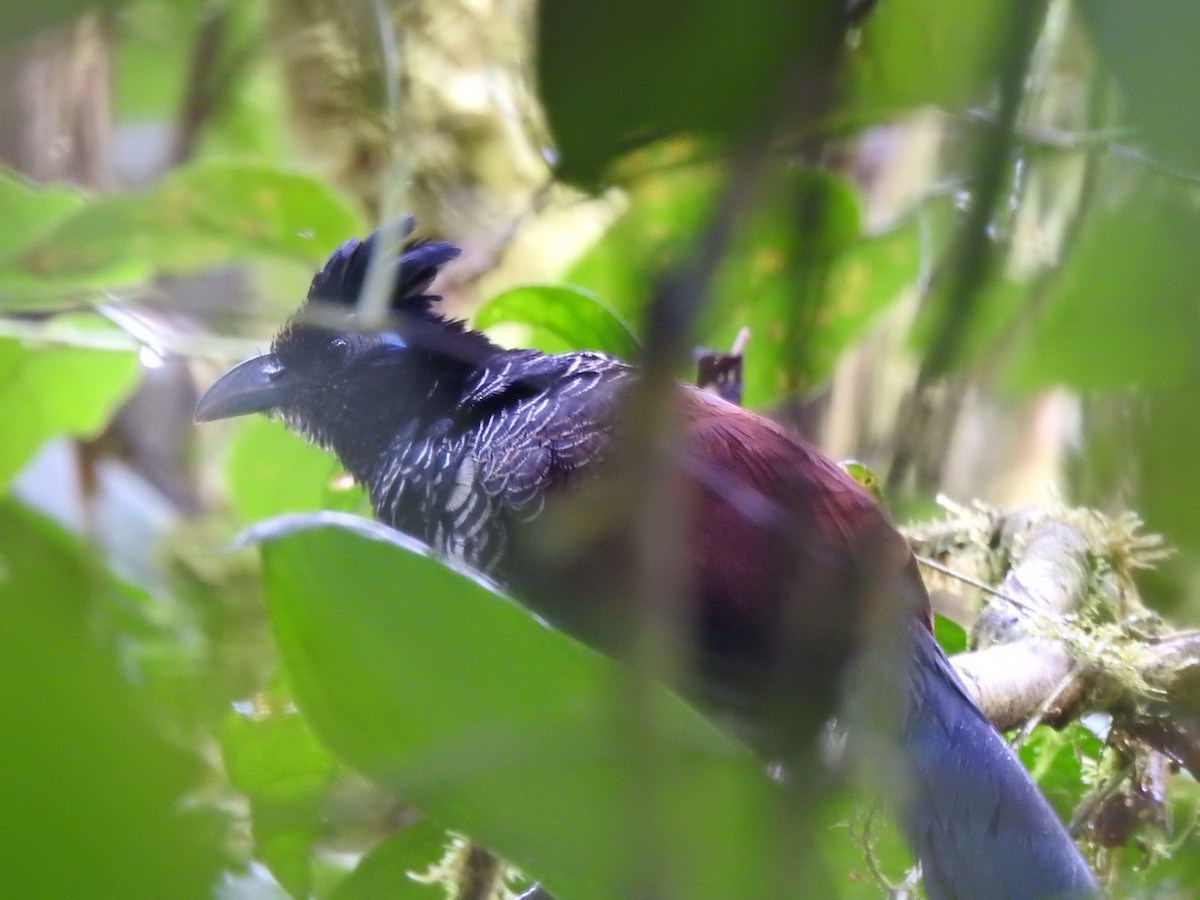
(341, 278)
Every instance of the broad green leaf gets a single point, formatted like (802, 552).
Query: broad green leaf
(93, 802)
(1149, 49)
(29, 213)
(864, 279)
(560, 319)
(204, 214)
(28, 210)
(273, 758)
(776, 282)
(618, 74)
(269, 470)
(386, 872)
(51, 391)
(665, 211)
(23, 289)
(430, 683)
(922, 53)
(1125, 310)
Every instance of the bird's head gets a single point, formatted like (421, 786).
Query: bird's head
(324, 370)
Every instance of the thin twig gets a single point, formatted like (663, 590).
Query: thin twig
(911, 877)
(987, 588)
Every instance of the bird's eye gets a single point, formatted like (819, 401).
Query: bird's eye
(337, 349)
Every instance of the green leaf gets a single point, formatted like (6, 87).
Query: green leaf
(30, 213)
(31, 210)
(1150, 51)
(560, 319)
(865, 478)
(386, 872)
(430, 683)
(922, 53)
(46, 392)
(1124, 311)
(665, 210)
(269, 470)
(614, 75)
(200, 215)
(93, 797)
(869, 275)
(950, 635)
(775, 281)
(273, 758)
(1053, 757)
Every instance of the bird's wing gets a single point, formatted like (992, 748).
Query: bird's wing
(557, 418)
(758, 480)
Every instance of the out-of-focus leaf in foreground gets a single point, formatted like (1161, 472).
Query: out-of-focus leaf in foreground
(429, 682)
(1126, 308)
(921, 53)
(386, 873)
(49, 391)
(616, 75)
(1150, 50)
(270, 470)
(92, 802)
(273, 759)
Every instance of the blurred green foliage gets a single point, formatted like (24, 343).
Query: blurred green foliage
(270, 471)
(152, 741)
(799, 275)
(199, 215)
(46, 392)
(93, 794)
(557, 319)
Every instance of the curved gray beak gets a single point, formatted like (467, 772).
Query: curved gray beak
(249, 387)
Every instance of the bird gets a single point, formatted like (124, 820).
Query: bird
(791, 566)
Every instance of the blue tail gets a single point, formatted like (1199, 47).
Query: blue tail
(979, 825)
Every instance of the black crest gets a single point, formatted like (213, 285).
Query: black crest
(414, 317)
(341, 278)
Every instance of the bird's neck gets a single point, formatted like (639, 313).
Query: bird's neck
(413, 399)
